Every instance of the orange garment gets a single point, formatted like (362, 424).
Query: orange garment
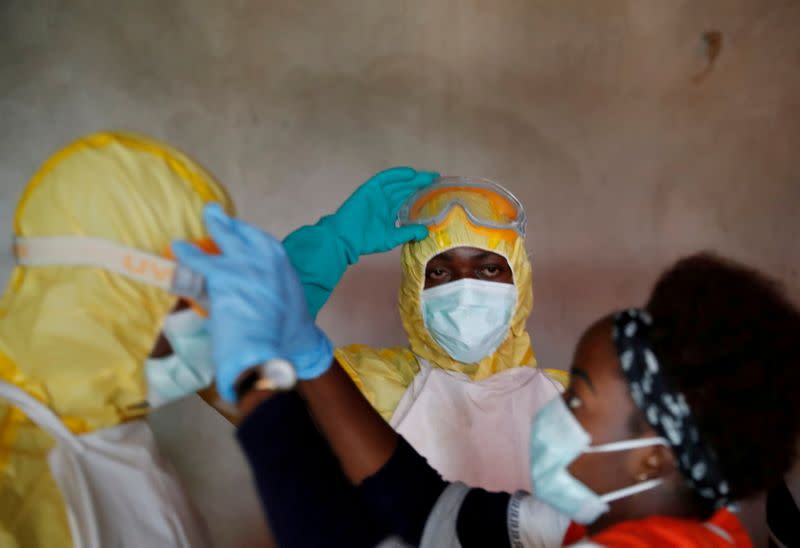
(723, 530)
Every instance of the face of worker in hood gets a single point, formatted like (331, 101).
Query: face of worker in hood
(468, 302)
(181, 361)
(467, 263)
(162, 347)
(458, 264)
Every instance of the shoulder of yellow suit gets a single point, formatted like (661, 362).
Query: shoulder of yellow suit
(382, 375)
(94, 329)
(457, 231)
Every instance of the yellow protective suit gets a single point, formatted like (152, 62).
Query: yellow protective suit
(383, 375)
(77, 338)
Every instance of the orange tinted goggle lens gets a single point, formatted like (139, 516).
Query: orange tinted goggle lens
(434, 202)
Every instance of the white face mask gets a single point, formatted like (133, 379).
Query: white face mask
(189, 368)
(469, 318)
(557, 439)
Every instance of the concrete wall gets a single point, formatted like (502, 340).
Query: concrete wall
(605, 118)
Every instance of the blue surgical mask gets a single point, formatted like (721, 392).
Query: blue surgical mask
(469, 318)
(189, 368)
(557, 439)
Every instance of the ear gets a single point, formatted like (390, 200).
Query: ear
(654, 462)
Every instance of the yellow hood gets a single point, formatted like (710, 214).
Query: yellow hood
(457, 231)
(77, 337)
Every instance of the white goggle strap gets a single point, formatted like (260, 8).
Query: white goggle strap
(108, 255)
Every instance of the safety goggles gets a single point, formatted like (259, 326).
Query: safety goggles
(160, 271)
(485, 203)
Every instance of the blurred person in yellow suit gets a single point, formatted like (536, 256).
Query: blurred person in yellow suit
(90, 323)
(469, 375)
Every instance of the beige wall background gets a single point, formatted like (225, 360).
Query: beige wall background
(628, 141)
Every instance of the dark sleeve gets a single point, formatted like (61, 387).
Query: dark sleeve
(483, 519)
(307, 498)
(404, 492)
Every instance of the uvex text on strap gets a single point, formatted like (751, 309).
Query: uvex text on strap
(127, 261)
(666, 410)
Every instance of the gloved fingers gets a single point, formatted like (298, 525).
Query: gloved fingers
(391, 175)
(398, 198)
(419, 178)
(407, 187)
(399, 191)
(405, 234)
(222, 229)
(236, 238)
(193, 258)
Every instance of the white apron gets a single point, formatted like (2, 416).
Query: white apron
(119, 491)
(476, 432)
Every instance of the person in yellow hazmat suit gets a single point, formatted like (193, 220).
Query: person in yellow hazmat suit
(469, 375)
(91, 294)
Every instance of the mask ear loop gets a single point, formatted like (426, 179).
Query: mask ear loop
(626, 444)
(631, 490)
(623, 446)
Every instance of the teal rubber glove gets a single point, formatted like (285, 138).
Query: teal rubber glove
(258, 309)
(364, 224)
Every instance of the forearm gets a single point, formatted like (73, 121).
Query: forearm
(358, 435)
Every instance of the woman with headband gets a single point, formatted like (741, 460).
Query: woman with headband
(651, 445)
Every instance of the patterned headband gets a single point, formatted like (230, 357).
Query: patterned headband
(666, 410)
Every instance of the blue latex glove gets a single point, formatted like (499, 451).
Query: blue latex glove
(257, 307)
(364, 224)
